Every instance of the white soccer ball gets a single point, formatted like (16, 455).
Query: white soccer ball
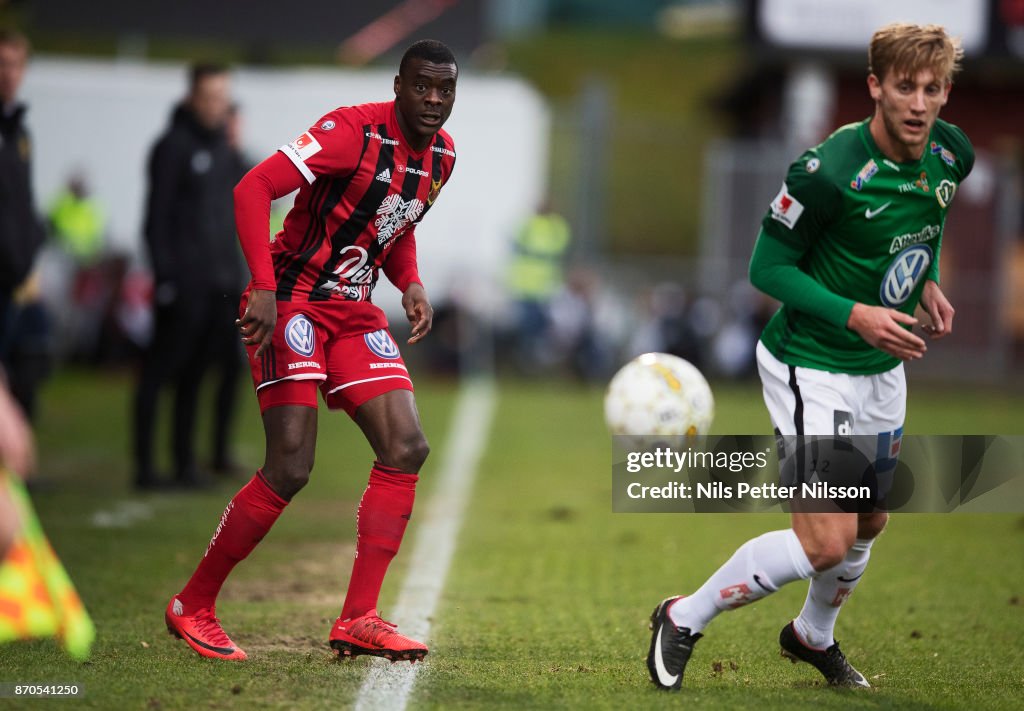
(659, 394)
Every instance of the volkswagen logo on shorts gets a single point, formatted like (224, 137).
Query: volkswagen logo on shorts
(905, 272)
(299, 335)
(381, 344)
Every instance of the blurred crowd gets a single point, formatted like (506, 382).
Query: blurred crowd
(67, 297)
(561, 316)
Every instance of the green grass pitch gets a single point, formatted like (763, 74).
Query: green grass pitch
(547, 600)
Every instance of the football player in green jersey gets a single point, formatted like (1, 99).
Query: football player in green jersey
(850, 246)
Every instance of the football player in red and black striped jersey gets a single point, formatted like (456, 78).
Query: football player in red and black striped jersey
(366, 176)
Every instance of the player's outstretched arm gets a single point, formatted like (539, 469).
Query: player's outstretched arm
(418, 310)
(881, 328)
(939, 310)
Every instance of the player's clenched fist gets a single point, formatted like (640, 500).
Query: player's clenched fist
(257, 323)
(418, 310)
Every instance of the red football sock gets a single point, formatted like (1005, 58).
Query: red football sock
(243, 524)
(384, 513)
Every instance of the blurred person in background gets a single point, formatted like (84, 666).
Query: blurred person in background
(535, 276)
(70, 267)
(29, 356)
(21, 232)
(576, 337)
(190, 235)
(77, 221)
(229, 356)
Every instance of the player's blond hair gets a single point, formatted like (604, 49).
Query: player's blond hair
(909, 49)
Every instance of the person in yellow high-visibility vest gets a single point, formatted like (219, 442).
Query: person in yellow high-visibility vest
(78, 221)
(535, 275)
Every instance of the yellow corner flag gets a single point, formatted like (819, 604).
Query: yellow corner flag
(37, 598)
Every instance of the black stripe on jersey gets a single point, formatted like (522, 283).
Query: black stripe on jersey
(338, 186)
(328, 195)
(365, 210)
(291, 266)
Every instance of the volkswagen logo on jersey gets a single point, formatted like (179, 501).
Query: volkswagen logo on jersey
(299, 335)
(381, 344)
(905, 272)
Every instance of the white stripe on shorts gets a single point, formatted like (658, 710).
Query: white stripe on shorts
(300, 376)
(366, 380)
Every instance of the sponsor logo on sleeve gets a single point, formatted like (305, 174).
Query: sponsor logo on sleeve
(327, 125)
(947, 156)
(866, 173)
(785, 208)
(304, 147)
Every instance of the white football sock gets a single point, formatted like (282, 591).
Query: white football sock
(828, 591)
(758, 568)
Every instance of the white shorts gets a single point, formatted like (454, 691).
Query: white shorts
(809, 402)
(805, 401)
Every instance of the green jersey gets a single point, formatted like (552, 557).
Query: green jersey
(866, 229)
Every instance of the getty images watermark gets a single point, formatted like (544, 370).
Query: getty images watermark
(761, 473)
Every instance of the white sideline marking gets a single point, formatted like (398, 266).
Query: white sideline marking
(125, 514)
(387, 686)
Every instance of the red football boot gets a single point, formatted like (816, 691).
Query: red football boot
(202, 632)
(369, 634)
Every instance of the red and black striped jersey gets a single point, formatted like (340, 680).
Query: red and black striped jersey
(366, 191)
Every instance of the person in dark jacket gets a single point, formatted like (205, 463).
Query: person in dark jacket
(229, 358)
(21, 232)
(198, 273)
